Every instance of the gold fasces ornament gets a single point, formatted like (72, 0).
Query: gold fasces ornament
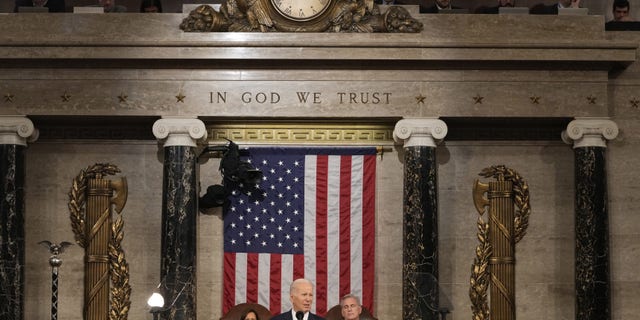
(493, 268)
(100, 232)
(361, 16)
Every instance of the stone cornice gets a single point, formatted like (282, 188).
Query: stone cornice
(420, 132)
(496, 38)
(590, 132)
(17, 130)
(179, 131)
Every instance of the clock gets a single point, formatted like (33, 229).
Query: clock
(301, 10)
(300, 15)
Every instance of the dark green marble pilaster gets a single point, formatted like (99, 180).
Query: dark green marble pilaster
(420, 248)
(179, 213)
(593, 293)
(12, 245)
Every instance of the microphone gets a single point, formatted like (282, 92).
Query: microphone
(299, 315)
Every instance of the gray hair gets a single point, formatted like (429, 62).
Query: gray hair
(347, 296)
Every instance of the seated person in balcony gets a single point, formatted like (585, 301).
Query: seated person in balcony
(111, 6)
(553, 9)
(151, 6)
(621, 10)
(436, 8)
(496, 9)
(53, 5)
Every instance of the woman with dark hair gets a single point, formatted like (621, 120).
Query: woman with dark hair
(250, 315)
(151, 6)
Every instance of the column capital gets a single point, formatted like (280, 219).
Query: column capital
(590, 132)
(17, 130)
(425, 132)
(180, 131)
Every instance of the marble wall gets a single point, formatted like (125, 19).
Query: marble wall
(545, 255)
(623, 204)
(498, 69)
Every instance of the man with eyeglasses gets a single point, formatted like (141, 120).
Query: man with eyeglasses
(351, 308)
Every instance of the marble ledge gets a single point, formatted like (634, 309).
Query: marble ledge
(132, 36)
(131, 29)
(319, 54)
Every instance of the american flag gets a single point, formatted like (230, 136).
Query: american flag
(313, 217)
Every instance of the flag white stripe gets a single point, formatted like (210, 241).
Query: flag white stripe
(310, 221)
(333, 229)
(241, 276)
(264, 262)
(357, 170)
(285, 282)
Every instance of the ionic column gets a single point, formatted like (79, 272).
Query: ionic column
(179, 212)
(15, 132)
(593, 294)
(420, 206)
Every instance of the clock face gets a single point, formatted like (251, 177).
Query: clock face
(301, 10)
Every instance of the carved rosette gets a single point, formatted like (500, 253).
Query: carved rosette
(590, 132)
(420, 132)
(176, 131)
(17, 130)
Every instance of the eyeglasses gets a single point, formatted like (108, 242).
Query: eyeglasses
(350, 306)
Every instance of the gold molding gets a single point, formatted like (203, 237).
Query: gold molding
(302, 133)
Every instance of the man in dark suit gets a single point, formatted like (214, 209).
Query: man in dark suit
(496, 9)
(553, 9)
(436, 8)
(301, 295)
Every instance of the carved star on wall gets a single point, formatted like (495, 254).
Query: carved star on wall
(420, 98)
(635, 102)
(180, 98)
(8, 97)
(535, 99)
(122, 97)
(478, 99)
(65, 97)
(591, 99)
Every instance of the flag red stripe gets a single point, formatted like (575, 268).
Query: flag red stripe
(229, 281)
(322, 164)
(275, 293)
(298, 266)
(252, 277)
(345, 225)
(369, 231)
